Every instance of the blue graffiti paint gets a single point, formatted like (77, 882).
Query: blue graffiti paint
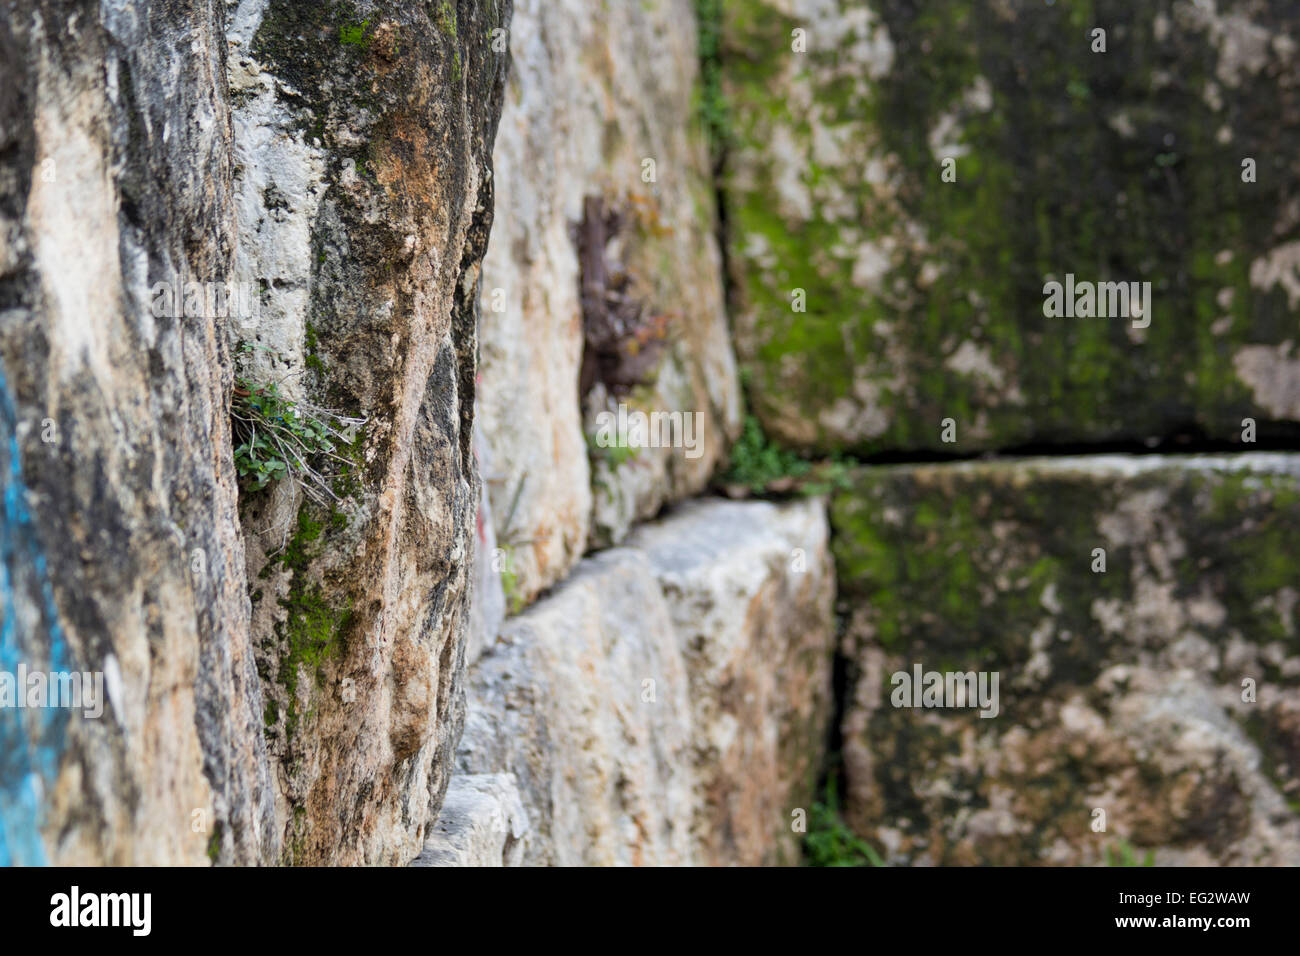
(31, 740)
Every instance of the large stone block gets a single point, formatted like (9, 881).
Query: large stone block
(749, 588)
(668, 703)
(1141, 616)
(601, 119)
(560, 701)
(482, 823)
(1170, 159)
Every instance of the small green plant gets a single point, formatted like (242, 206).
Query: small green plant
(615, 455)
(830, 842)
(760, 466)
(1122, 854)
(756, 463)
(510, 583)
(276, 438)
(835, 474)
(214, 842)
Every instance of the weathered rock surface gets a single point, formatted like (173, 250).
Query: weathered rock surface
(749, 588)
(1121, 690)
(667, 704)
(288, 690)
(363, 172)
(605, 776)
(596, 91)
(482, 823)
(925, 297)
(120, 542)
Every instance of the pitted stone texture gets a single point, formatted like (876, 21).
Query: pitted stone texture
(605, 775)
(1123, 690)
(668, 703)
(597, 89)
(482, 823)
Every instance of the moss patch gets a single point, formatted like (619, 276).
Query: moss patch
(989, 567)
(1114, 166)
(314, 627)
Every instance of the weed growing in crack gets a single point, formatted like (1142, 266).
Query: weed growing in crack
(615, 455)
(276, 438)
(830, 842)
(759, 466)
(757, 463)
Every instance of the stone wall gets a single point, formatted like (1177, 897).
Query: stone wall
(451, 247)
(901, 185)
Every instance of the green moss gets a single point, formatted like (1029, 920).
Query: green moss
(447, 20)
(916, 551)
(310, 342)
(348, 483)
(1249, 531)
(355, 34)
(295, 556)
(312, 46)
(1122, 853)
(214, 843)
(988, 566)
(313, 630)
(708, 98)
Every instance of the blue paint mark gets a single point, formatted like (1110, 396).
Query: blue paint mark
(31, 741)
